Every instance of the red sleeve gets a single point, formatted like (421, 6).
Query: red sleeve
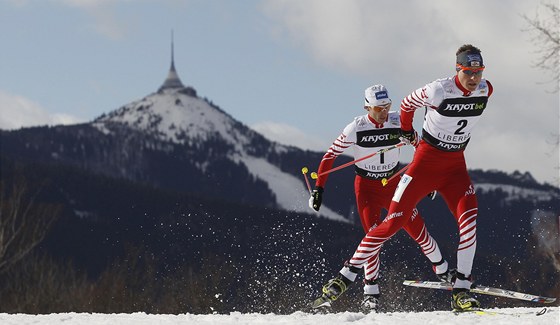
(406, 119)
(336, 149)
(326, 163)
(490, 88)
(409, 105)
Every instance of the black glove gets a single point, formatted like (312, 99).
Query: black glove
(409, 137)
(316, 198)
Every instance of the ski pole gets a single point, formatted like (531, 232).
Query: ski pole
(304, 171)
(315, 175)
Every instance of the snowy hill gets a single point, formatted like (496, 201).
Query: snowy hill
(505, 316)
(178, 116)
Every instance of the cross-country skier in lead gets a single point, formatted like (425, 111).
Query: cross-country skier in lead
(453, 107)
(369, 133)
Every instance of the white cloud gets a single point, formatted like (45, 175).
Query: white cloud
(289, 135)
(360, 36)
(18, 111)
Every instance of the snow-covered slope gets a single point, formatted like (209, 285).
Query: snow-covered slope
(179, 116)
(505, 316)
(172, 115)
(290, 194)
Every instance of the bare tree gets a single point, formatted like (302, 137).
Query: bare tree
(24, 222)
(546, 38)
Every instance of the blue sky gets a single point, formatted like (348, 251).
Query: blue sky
(294, 70)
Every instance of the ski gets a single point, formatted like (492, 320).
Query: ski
(480, 311)
(482, 290)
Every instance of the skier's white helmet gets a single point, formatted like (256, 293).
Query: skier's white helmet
(377, 95)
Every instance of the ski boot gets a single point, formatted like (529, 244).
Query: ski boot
(335, 287)
(461, 299)
(447, 276)
(370, 303)
(331, 291)
(443, 276)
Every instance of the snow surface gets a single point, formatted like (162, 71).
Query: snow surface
(505, 316)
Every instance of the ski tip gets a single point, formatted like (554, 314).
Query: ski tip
(546, 300)
(542, 311)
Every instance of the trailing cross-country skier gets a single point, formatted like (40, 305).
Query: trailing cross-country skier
(453, 105)
(379, 129)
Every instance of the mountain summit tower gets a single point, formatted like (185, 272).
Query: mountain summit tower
(172, 81)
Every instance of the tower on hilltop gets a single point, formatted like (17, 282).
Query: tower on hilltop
(172, 81)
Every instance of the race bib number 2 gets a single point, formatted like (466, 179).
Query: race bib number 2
(405, 180)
